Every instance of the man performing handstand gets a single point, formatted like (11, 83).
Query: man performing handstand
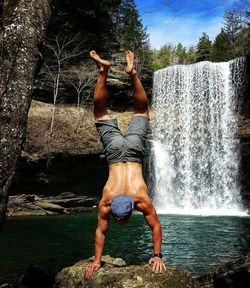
(125, 188)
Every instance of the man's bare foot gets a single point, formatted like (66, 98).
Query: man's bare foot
(103, 65)
(130, 58)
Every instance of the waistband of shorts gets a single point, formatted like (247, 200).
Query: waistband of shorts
(125, 159)
(111, 120)
(114, 120)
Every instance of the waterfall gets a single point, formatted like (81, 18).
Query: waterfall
(194, 149)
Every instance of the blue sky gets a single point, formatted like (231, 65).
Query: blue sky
(174, 21)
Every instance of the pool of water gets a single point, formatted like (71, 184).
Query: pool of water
(193, 243)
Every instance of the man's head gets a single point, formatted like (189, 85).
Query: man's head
(121, 208)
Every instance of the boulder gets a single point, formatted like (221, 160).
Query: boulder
(113, 275)
(234, 274)
(50, 206)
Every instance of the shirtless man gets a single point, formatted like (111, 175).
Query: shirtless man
(125, 188)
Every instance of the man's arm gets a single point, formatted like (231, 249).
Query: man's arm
(153, 222)
(100, 234)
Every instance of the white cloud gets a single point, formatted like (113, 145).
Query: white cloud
(184, 30)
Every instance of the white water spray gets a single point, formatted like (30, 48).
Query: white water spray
(195, 150)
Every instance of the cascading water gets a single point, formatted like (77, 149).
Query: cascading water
(194, 149)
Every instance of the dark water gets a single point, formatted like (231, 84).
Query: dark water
(193, 243)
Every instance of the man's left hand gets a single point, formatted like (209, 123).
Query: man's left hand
(158, 265)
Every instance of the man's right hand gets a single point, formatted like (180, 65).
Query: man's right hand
(91, 268)
(158, 266)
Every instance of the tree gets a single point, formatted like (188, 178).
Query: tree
(237, 23)
(191, 55)
(243, 42)
(130, 32)
(171, 55)
(204, 48)
(221, 48)
(81, 78)
(24, 28)
(232, 26)
(242, 8)
(63, 48)
(181, 54)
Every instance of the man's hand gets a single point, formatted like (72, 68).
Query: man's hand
(158, 265)
(91, 268)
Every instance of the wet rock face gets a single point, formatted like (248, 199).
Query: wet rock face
(244, 133)
(113, 276)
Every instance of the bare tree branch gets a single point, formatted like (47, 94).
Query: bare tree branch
(63, 48)
(80, 79)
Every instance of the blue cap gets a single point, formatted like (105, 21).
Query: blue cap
(122, 207)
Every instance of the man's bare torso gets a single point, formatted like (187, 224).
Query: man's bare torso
(125, 178)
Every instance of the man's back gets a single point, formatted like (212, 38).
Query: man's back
(125, 178)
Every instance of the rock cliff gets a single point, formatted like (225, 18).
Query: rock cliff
(85, 25)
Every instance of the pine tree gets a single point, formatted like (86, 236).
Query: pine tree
(129, 28)
(191, 55)
(204, 48)
(221, 48)
(181, 54)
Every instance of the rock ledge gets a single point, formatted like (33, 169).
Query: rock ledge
(113, 275)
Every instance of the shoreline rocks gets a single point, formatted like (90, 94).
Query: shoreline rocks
(65, 203)
(114, 274)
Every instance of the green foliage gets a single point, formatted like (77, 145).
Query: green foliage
(91, 18)
(204, 48)
(180, 54)
(221, 48)
(129, 28)
(191, 55)
(130, 32)
(170, 55)
(162, 58)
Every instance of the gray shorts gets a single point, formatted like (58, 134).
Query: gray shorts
(129, 147)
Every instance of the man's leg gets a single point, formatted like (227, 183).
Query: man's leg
(101, 92)
(140, 96)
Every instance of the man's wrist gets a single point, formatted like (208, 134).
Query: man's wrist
(97, 260)
(159, 255)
